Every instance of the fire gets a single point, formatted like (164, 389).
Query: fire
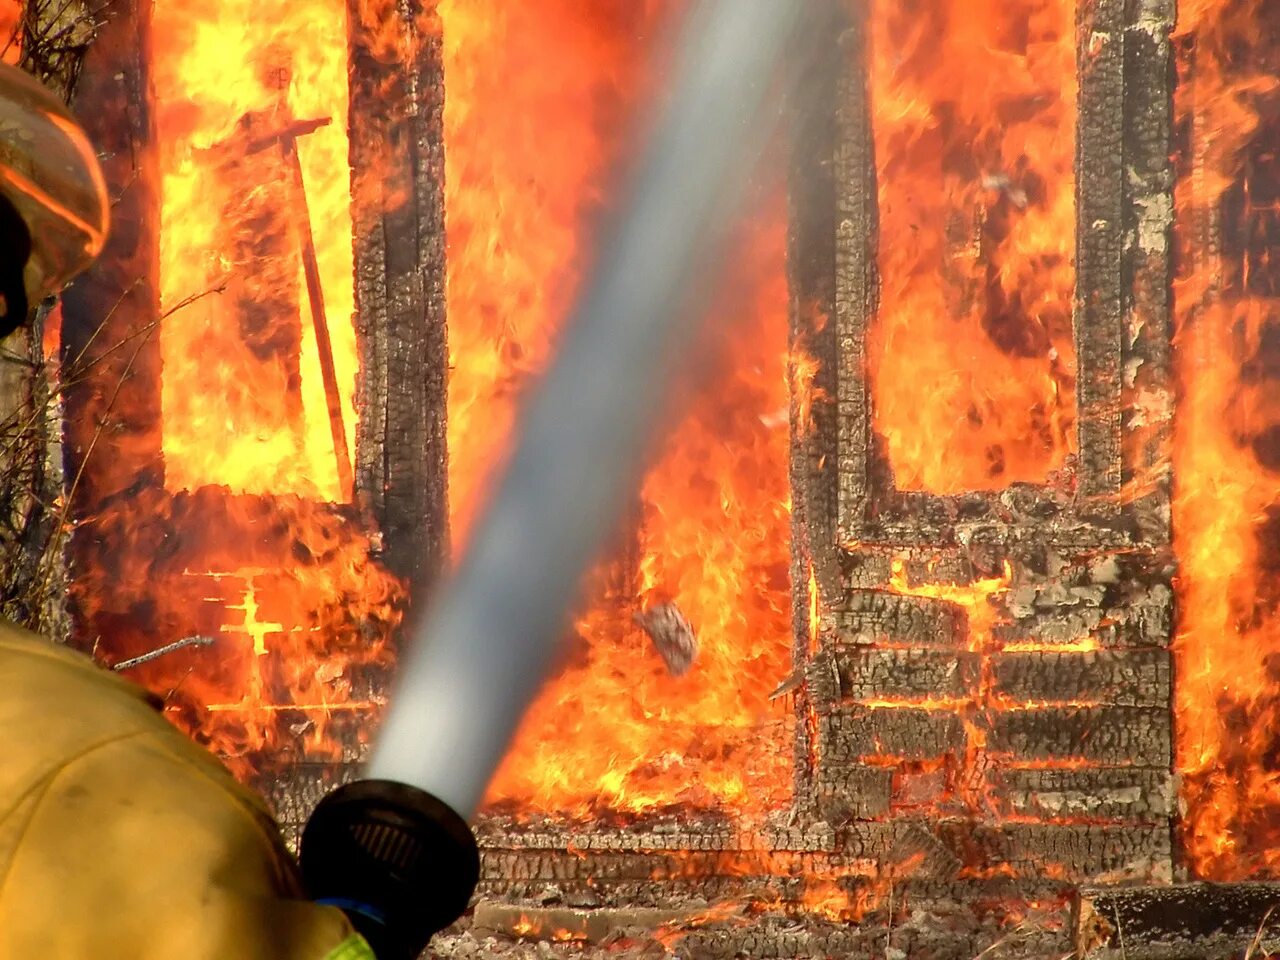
(538, 100)
(974, 598)
(10, 30)
(1226, 468)
(973, 116)
(249, 541)
(231, 75)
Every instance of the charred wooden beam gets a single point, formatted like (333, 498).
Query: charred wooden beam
(1069, 851)
(1147, 389)
(850, 733)
(1091, 793)
(871, 616)
(1132, 678)
(110, 344)
(397, 159)
(1102, 735)
(1189, 922)
(1099, 245)
(856, 276)
(852, 792)
(811, 273)
(903, 674)
(569, 923)
(110, 351)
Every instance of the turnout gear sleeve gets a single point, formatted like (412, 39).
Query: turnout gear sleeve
(120, 839)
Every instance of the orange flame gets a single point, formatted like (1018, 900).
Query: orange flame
(256, 555)
(10, 30)
(229, 75)
(973, 116)
(1228, 477)
(538, 98)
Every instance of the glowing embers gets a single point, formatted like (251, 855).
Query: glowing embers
(1226, 455)
(299, 616)
(253, 195)
(973, 115)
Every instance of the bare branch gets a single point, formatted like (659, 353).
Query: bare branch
(196, 641)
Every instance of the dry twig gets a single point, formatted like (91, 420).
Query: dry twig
(196, 641)
(1257, 937)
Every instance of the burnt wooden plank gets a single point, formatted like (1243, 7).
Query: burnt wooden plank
(1072, 852)
(1134, 678)
(857, 792)
(954, 848)
(1100, 209)
(811, 274)
(812, 191)
(1147, 389)
(849, 733)
(1109, 735)
(875, 616)
(674, 834)
(397, 160)
(653, 866)
(1185, 922)
(562, 922)
(1145, 620)
(903, 674)
(110, 313)
(110, 349)
(1108, 792)
(856, 277)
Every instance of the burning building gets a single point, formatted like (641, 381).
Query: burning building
(967, 528)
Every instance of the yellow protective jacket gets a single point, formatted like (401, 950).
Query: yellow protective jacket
(120, 839)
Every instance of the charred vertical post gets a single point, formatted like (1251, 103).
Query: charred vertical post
(817, 163)
(856, 275)
(397, 160)
(1100, 197)
(111, 314)
(110, 342)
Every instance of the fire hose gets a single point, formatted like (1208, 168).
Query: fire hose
(394, 850)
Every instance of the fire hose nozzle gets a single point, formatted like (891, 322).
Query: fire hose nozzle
(400, 863)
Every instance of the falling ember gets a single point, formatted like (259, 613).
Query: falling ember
(1227, 454)
(973, 118)
(614, 728)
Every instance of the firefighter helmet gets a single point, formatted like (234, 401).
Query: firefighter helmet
(49, 176)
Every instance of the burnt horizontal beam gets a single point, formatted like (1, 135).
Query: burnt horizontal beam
(951, 849)
(1107, 735)
(902, 674)
(569, 923)
(1074, 852)
(1136, 678)
(852, 791)
(1093, 793)
(1186, 922)
(1133, 678)
(849, 733)
(874, 616)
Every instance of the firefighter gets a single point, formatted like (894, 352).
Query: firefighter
(120, 839)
